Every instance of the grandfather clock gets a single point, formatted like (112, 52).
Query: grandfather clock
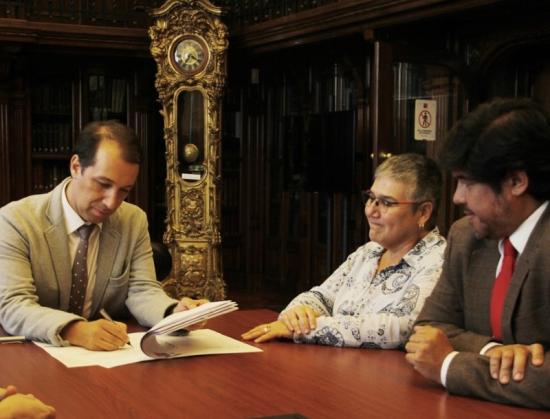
(189, 44)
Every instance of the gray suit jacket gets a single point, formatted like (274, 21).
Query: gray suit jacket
(35, 270)
(460, 305)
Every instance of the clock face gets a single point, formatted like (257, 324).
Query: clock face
(190, 55)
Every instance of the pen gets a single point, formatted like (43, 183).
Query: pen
(106, 316)
(12, 339)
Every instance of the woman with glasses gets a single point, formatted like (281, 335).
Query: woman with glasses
(374, 297)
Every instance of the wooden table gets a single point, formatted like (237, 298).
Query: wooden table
(314, 381)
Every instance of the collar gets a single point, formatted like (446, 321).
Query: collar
(417, 253)
(519, 237)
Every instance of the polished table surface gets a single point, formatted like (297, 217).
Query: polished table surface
(286, 378)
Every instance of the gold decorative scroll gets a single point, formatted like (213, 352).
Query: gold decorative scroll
(193, 220)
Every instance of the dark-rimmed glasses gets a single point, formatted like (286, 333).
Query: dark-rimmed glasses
(383, 203)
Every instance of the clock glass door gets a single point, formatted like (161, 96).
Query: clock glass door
(191, 132)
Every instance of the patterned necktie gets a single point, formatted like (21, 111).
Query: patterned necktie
(500, 288)
(80, 270)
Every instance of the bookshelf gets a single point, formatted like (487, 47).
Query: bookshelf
(62, 101)
(291, 129)
(105, 95)
(52, 130)
(62, 93)
(232, 183)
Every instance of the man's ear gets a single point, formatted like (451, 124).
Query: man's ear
(518, 181)
(74, 166)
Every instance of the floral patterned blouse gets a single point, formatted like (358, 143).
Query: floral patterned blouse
(362, 308)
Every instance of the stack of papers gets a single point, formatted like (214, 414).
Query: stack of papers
(158, 341)
(186, 318)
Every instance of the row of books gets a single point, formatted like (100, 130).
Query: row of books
(333, 94)
(109, 94)
(51, 137)
(331, 90)
(54, 98)
(118, 97)
(46, 176)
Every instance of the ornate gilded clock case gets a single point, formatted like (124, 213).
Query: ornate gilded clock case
(189, 43)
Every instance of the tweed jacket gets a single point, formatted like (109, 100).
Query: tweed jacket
(35, 270)
(460, 305)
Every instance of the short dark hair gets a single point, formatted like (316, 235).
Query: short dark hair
(421, 173)
(93, 133)
(499, 137)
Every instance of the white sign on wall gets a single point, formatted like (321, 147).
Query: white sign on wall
(425, 112)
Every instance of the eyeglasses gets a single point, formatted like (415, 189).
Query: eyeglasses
(383, 204)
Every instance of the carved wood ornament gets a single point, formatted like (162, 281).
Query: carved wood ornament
(189, 44)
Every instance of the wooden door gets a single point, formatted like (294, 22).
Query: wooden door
(400, 79)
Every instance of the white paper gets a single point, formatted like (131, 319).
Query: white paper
(198, 342)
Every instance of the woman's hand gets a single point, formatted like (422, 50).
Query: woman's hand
(300, 319)
(267, 332)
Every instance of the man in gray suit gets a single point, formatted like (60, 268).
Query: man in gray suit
(485, 330)
(39, 241)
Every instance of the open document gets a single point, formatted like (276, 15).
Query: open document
(164, 340)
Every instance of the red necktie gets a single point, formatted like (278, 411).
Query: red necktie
(500, 288)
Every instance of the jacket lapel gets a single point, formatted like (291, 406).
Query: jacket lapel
(521, 272)
(108, 245)
(484, 262)
(56, 237)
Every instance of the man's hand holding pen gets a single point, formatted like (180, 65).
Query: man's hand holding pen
(98, 335)
(106, 316)
(108, 335)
